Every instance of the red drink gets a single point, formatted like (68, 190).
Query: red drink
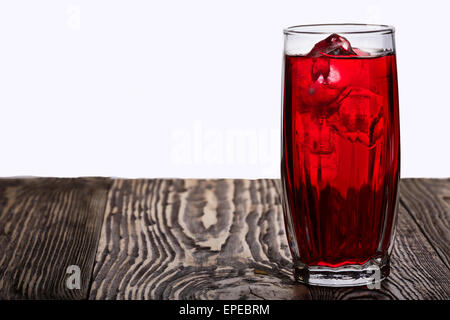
(340, 161)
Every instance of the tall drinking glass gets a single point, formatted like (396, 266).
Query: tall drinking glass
(340, 151)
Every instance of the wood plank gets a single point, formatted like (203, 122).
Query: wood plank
(46, 225)
(428, 202)
(224, 239)
(192, 239)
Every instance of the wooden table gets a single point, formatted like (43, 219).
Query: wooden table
(192, 239)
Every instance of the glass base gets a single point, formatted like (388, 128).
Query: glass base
(369, 274)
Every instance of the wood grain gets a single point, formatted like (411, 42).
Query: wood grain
(428, 203)
(192, 239)
(46, 225)
(224, 239)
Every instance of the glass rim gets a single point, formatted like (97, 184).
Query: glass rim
(359, 28)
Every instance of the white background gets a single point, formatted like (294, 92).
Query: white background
(190, 88)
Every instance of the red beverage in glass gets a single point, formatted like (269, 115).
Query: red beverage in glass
(340, 161)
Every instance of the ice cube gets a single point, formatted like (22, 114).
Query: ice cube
(317, 85)
(315, 134)
(334, 45)
(322, 79)
(310, 90)
(316, 140)
(360, 116)
(361, 53)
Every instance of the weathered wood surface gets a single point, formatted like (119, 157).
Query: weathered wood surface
(47, 225)
(428, 202)
(192, 239)
(224, 239)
